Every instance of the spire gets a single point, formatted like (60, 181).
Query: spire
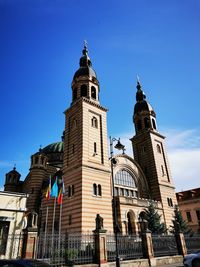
(85, 60)
(140, 95)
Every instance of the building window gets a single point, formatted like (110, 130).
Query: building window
(124, 178)
(154, 124)
(4, 229)
(95, 147)
(32, 190)
(93, 92)
(198, 214)
(163, 171)
(94, 122)
(146, 123)
(170, 203)
(74, 124)
(97, 190)
(74, 94)
(70, 190)
(158, 148)
(36, 160)
(188, 214)
(83, 90)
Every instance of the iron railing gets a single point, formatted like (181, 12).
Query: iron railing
(66, 249)
(192, 243)
(129, 247)
(164, 245)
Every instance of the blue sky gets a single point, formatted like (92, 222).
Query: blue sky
(40, 46)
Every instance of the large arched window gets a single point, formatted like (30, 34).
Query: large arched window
(83, 90)
(124, 178)
(125, 184)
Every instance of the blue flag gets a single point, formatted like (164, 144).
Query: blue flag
(54, 189)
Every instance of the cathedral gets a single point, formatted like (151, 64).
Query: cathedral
(92, 179)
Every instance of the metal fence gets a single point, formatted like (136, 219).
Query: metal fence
(192, 243)
(66, 249)
(164, 245)
(129, 247)
(11, 246)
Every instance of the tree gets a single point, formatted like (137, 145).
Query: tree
(183, 227)
(154, 220)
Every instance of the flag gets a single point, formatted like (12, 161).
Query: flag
(61, 192)
(54, 189)
(48, 192)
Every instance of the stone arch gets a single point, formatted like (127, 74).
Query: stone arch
(131, 222)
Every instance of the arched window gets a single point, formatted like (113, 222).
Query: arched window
(95, 189)
(94, 122)
(124, 178)
(74, 124)
(146, 123)
(69, 191)
(158, 148)
(36, 160)
(74, 94)
(93, 92)
(154, 124)
(95, 147)
(83, 90)
(99, 189)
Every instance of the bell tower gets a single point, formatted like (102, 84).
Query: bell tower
(150, 153)
(86, 166)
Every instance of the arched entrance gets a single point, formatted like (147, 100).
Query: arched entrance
(131, 225)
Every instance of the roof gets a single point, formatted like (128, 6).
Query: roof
(53, 148)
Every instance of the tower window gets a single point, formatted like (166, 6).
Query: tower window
(188, 214)
(70, 219)
(36, 160)
(74, 124)
(146, 123)
(158, 148)
(170, 203)
(163, 171)
(94, 122)
(154, 124)
(93, 92)
(95, 189)
(83, 90)
(95, 147)
(74, 94)
(99, 189)
(198, 214)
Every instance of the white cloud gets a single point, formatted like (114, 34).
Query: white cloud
(183, 148)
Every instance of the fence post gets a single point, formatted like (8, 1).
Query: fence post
(147, 244)
(100, 242)
(180, 239)
(29, 243)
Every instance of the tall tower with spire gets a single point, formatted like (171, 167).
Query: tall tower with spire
(86, 168)
(150, 153)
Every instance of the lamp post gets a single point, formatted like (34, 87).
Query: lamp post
(118, 146)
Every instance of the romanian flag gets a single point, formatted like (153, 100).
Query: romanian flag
(48, 193)
(54, 189)
(61, 192)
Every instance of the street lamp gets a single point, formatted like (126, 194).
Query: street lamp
(118, 146)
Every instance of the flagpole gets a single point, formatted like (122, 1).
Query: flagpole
(59, 227)
(45, 230)
(52, 234)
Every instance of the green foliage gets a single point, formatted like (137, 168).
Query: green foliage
(179, 219)
(153, 219)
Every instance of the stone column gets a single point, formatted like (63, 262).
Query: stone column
(30, 243)
(147, 244)
(100, 242)
(180, 240)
